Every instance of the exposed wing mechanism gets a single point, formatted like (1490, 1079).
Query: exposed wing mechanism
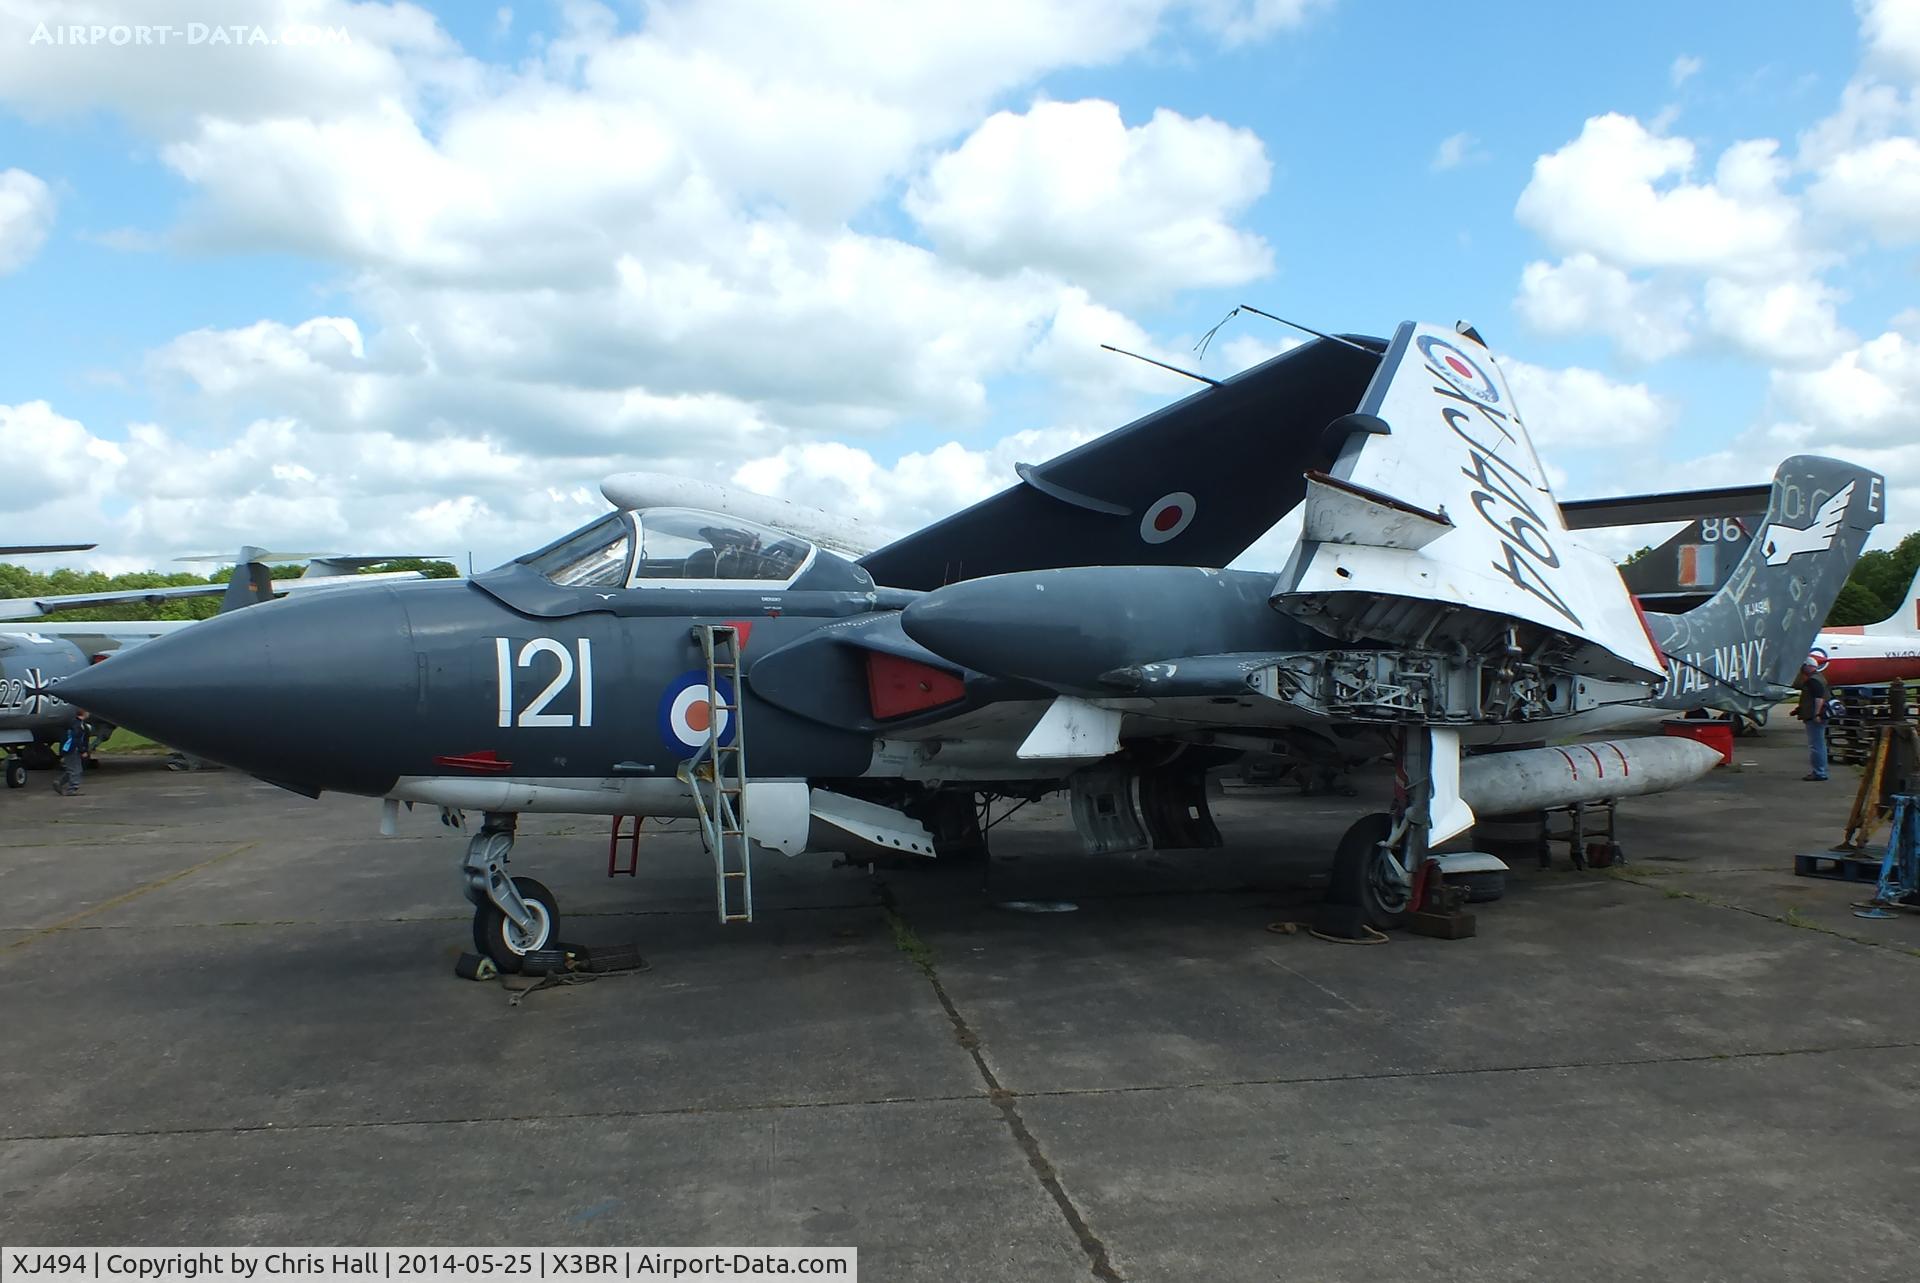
(1447, 532)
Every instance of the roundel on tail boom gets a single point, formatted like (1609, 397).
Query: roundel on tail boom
(1167, 516)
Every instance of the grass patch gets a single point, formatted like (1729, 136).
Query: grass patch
(907, 942)
(125, 741)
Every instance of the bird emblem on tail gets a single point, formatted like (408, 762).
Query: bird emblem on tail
(1783, 543)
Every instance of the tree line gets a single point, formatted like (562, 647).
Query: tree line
(19, 581)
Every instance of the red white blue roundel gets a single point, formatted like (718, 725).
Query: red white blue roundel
(1817, 659)
(1167, 516)
(687, 712)
(1459, 369)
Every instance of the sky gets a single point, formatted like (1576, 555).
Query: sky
(389, 278)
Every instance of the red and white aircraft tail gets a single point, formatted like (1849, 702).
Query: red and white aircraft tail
(1904, 621)
(1868, 654)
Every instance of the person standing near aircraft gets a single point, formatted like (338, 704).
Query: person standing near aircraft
(1812, 709)
(73, 751)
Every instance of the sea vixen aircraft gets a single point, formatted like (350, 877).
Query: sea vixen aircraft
(1074, 632)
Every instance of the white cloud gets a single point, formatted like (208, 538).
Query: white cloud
(637, 248)
(26, 216)
(1069, 189)
(392, 52)
(1647, 320)
(1624, 194)
(1892, 32)
(1876, 184)
(1576, 408)
(1239, 21)
(1867, 396)
(52, 460)
(1789, 323)
(921, 487)
(1456, 150)
(1684, 68)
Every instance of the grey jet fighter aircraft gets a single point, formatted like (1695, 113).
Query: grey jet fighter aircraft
(1073, 632)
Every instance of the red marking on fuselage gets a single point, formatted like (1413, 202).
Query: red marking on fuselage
(1640, 613)
(745, 629)
(1624, 768)
(485, 762)
(1460, 367)
(1869, 670)
(1167, 518)
(897, 687)
(1598, 765)
(1572, 765)
(699, 716)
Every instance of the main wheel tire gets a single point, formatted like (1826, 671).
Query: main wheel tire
(505, 943)
(16, 773)
(1360, 876)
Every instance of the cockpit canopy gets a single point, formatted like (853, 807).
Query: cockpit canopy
(673, 548)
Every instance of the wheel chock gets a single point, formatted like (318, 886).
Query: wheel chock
(1441, 926)
(545, 962)
(475, 966)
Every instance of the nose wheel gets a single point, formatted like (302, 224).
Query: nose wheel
(16, 773)
(507, 942)
(512, 916)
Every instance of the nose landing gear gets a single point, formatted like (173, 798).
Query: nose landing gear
(512, 916)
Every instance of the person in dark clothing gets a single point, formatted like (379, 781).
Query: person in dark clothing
(73, 750)
(1815, 700)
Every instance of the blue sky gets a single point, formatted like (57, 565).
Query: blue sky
(427, 286)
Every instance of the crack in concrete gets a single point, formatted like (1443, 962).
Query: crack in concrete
(1784, 919)
(996, 1094)
(68, 922)
(1098, 1259)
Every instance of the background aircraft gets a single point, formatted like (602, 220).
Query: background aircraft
(1867, 654)
(1072, 632)
(34, 658)
(30, 716)
(1693, 565)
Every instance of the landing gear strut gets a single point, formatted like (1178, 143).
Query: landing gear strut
(512, 916)
(1375, 863)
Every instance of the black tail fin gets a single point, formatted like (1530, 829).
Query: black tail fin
(1193, 484)
(1741, 649)
(251, 584)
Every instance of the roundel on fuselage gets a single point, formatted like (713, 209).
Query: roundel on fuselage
(687, 710)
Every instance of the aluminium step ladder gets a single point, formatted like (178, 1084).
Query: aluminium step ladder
(717, 775)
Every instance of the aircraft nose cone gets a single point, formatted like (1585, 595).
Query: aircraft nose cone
(291, 691)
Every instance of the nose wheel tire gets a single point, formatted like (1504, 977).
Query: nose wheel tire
(496, 936)
(16, 773)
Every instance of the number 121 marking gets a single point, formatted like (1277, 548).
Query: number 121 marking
(535, 714)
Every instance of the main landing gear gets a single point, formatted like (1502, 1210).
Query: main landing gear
(512, 916)
(16, 773)
(1375, 865)
(1370, 872)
